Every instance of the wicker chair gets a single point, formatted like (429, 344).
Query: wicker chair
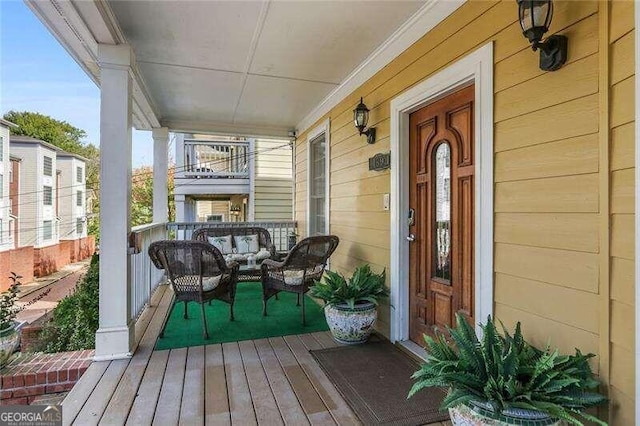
(303, 265)
(197, 272)
(264, 238)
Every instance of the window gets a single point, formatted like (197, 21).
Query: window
(442, 192)
(47, 230)
(1, 185)
(79, 198)
(1, 148)
(48, 166)
(79, 225)
(215, 218)
(317, 186)
(79, 174)
(47, 195)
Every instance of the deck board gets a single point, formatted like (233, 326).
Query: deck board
(168, 408)
(144, 404)
(264, 402)
(96, 404)
(217, 405)
(192, 410)
(240, 402)
(78, 396)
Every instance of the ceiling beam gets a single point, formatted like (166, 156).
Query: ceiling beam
(226, 129)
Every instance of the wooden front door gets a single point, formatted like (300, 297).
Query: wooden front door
(441, 199)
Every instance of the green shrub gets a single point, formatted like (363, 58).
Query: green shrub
(75, 319)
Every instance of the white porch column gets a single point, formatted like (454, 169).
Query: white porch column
(160, 170)
(115, 335)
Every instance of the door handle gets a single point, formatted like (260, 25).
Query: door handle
(411, 238)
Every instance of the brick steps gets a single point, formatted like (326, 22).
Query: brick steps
(29, 376)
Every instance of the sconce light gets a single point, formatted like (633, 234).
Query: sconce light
(535, 19)
(360, 118)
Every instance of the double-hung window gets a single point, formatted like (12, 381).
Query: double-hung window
(47, 195)
(47, 230)
(317, 185)
(47, 167)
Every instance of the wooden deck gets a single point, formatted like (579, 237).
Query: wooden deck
(268, 381)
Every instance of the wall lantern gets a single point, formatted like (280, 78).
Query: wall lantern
(360, 118)
(535, 19)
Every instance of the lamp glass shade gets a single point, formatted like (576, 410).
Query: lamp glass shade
(361, 116)
(535, 18)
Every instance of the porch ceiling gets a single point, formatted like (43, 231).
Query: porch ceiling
(252, 67)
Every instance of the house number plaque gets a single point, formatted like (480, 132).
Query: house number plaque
(380, 161)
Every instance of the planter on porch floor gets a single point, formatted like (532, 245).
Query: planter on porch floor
(351, 325)
(9, 340)
(464, 415)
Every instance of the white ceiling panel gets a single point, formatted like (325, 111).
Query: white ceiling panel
(273, 101)
(209, 34)
(193, 94)
(325, 40)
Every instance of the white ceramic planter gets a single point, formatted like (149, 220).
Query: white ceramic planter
(464, 415)
(9, 340)
(351, 326)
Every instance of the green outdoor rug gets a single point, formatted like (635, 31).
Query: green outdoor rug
(284, 319)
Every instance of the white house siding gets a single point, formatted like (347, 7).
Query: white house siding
(6, 239)
(69, 211)
(273, 180)
(33, 212)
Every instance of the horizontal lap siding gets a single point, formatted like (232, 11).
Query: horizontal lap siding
(547, 165)
(622, 154)
(273, 180)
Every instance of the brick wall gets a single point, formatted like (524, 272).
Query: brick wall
(29, 376)
(47, 260)
(19, 261)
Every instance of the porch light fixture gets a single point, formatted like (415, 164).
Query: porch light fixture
(360, 118)
(535, 19)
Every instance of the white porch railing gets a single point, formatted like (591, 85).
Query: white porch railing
(145, 277)
(216, 159)
(279, 231)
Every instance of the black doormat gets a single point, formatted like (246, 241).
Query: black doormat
(374, 378)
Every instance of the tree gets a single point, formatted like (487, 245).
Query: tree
(142, 195)
(68, 138)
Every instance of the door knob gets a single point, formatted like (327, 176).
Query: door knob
(411, 238)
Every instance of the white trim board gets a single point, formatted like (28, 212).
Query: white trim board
(324, 127)
(424, 20)
(637, 207)
(477, 68)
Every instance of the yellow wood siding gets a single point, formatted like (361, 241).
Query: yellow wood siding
(273, 180)
(560, 177)
(622, 209)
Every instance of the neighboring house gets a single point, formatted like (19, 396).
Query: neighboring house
(14, 199)
(72, 208)
(230, 179)
(49, 195)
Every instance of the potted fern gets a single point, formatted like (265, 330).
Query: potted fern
(501, 379)
(351, 305)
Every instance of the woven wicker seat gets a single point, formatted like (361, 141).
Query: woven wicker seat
(264, 238)
(303, 265)
(197, 272)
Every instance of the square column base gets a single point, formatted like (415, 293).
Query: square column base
(114, 343)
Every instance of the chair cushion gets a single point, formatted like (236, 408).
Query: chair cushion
(221, 243)
(263, 254)
(293, 277)
(209, 283)
(247, 243)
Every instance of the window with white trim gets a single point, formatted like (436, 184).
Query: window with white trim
(1, 148)
(79, 174)
(79, 198)
(47, 167)
(317, 185)
(79, 225)
(47, 195)
(47, 230)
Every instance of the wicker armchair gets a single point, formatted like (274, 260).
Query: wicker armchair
(264, 238)
(197, 272)
(303, 265)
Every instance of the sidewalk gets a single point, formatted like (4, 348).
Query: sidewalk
(60, 284)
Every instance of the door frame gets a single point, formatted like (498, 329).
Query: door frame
(476, 68)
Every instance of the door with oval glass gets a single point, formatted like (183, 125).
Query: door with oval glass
(441, 196)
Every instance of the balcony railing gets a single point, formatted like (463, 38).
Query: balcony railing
(279, 231)
(216, 160)
(145, 277)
